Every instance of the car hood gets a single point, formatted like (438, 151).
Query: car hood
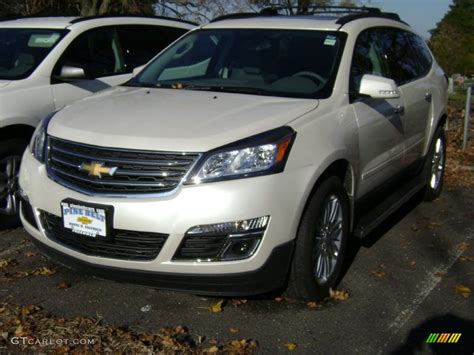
(4, 83)
(172, 120)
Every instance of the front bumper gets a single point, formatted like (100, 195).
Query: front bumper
(173, 215)
(271, 276)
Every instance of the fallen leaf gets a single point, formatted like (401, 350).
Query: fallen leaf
(412, 263)
(468, 258)
(30, 309)
(338, 295)
(463, 246)
(291, 346)
(213, 349)
(19, 332)
(216, 307)
(313, 305)
(30, 254)
(439, 274)
(279, 299)
(379, 274)
(238, 302)
(44, 271)
(234, 330)
(462, 290)
(7, 262)
(62, 285)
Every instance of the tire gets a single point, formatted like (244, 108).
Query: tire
(435, 165)
(307, 281)
(11, 151)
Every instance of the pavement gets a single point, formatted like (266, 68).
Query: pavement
(403, 281)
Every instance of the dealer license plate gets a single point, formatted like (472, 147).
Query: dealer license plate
(91, 221)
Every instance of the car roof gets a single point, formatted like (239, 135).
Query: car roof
(38, 22)
(279, 22)
(71, 22)
(305, 22)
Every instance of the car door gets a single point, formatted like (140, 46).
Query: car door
(409, 62)
(108, 55)
(380, 121)
(98, 52)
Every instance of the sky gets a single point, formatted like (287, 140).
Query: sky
(421, 15)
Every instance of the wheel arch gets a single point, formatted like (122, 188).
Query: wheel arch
(21, 131)
(342, 168)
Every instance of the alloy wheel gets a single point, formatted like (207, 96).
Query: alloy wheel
(328, 239)
(9, 169)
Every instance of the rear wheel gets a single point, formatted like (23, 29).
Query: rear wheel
(435, 164)
(10, 158)
(320, 243)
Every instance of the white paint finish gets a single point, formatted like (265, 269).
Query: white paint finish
(173, 120)
(187, 207)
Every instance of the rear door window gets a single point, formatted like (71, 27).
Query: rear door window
(401, 57)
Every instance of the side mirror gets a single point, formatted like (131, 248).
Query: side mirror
(378, 87)
(72, 73)
(137, 70)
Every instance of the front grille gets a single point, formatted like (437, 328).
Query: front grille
(125, 245)
(135, 171)
(204, 247)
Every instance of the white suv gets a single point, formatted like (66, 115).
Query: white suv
(244, 156)
(46, 63)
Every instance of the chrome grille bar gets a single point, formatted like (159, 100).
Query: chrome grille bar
(128, 172)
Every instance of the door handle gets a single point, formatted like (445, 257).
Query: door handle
(398, 109)
(428, 96)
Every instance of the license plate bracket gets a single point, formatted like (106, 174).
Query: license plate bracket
(87, 219)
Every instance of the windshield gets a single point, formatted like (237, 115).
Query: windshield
(292, 63)
(23, 49)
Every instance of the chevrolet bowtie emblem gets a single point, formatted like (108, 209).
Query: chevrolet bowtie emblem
(84, 220)
(97, 169)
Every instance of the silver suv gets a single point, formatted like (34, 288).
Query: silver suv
(243, 157)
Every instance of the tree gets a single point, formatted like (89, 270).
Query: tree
(452, 41)
(75, 8)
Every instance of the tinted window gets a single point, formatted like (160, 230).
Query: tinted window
(97, 51)
(22, 50)
(275, 62)
(141, 43)
(422, 54)
(367, 59)
(400, 55)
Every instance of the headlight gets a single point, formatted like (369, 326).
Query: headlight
(38, 141)
(263, 154)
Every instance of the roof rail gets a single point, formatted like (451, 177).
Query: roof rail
(322, 9)
(87, 18)
(347, 13)
(386, 15)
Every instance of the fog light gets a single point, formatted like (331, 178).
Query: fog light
(222, 241)
(241, 247)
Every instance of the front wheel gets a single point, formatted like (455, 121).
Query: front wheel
(320, 243)
(10, 158)
(435, 164)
